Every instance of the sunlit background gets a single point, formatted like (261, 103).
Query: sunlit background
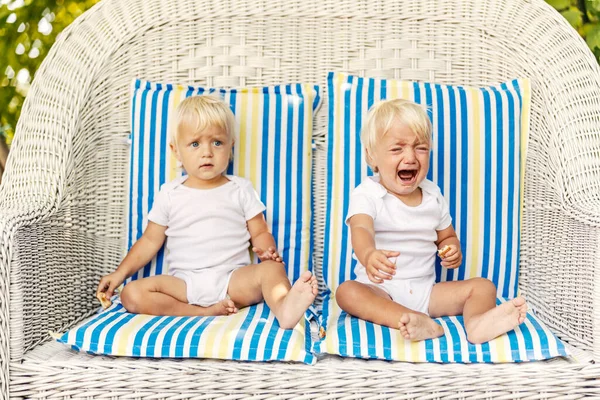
(28, 29)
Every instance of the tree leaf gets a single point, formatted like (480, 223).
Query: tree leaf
(559, 4)
(592, 8)
(574, 16)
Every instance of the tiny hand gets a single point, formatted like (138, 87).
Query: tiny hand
(268, 254)
(379, 266)
(452, 258)
(108, 284)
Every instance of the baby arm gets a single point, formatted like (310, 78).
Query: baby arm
(263, 243)
(449, 248)
(139, 255)
(376, 261)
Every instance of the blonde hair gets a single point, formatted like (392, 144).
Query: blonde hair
(383, 114)
(202, 112)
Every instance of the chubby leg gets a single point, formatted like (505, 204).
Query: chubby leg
(475, 299)
(268, 281)
(371, 303)
(166, 295)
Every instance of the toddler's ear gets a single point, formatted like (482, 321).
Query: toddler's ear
(174, 150)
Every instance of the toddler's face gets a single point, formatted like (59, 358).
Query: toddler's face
(401, 159)
(204, 154)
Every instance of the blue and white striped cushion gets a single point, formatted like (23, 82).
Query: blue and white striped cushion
(274, 150)
(478, 154)
(252, 334)
(349, 336)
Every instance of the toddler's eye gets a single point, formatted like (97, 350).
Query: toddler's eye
(217, 143)
(422, 149)
(396, 149)
(194, 144)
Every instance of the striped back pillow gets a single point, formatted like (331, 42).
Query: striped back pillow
(478, 153)
(273, 149)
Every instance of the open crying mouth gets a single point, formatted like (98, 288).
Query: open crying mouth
(407, 175)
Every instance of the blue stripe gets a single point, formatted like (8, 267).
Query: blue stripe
(285, 341)
(232, 104)
(515, 83)
(456, 340)
(141, 169)
(544, 342)
(195, 342)
(139, 336)
(452, 196)
(277, 171)
(346, 187)
(341, 330)
(355, 338)
(260, 326)
(152, 188)
(164, 132)
(166, 344)
(180, 341)
(438, 144)
(487, 176)
(132, 159)
(328, 215)
(150, 346)
(80, 332)
(499, 248)
(288, 169)
(299, 201)
(371, 341)
(387, 343)
(110, 335)
(239, 337)
(513, 187)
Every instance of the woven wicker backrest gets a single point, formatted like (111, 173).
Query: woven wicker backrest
(77, 117)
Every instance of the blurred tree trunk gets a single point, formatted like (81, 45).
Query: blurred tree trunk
(3, 156)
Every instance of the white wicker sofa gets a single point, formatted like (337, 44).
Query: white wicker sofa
(62, 200)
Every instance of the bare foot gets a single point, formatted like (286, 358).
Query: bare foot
(498, 320)
(224, 307)
(416, 327)
(299, 298)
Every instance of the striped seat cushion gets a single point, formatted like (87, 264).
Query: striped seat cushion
(273, 149)
(478, 154)
(252, 334)
(348, 336)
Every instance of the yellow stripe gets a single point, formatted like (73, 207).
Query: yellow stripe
(417, 351)
(501, 343)
(173, 170)
(255, 134)
(228, 337)
(393, 85)
(126, 334)
(526, 85)
(210, 335)
(296, 342)
(406, 90)
(338, 179)
(243, 133)
(475, 155)
(400, 345)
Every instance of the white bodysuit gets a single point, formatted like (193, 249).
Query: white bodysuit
(207, 235)
(410, 230)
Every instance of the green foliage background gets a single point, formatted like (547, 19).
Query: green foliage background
(28, 29)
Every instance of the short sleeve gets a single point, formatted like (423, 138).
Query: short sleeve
(445, 218)
(159, 214)
(250, 201)
(361, 203)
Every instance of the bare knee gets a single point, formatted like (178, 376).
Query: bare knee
(345, 293)
(483, 287)
(132, 297)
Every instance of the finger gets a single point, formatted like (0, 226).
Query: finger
(257, 250)
(452, 257)
(387, 263)
(373, 278)
(390, 253)
(383, 275)
(385, 269)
